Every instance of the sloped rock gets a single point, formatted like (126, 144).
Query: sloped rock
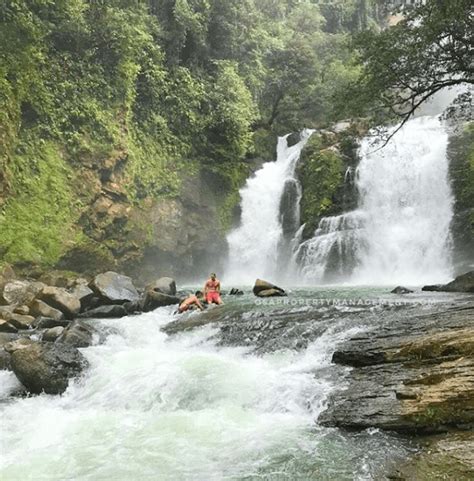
(5, 326)
(401, 290)
(21, 322)
(111, 310)
(79, 334)
(44, 366)
(152, 300)
(416, 377)
(261, 285)
(5, 360)
(41, 309)
(62, 300)
(50, 335)
(462, 283)
(114, 288)
(166, 285)
(448, 457)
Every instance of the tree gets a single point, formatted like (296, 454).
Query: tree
(405, 65)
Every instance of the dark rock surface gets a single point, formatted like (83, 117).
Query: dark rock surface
(79, 334)
(236, 292)
(44, 366)
(114, 288)
(48, 322)
(5, 326)
(414, 376)
(462, 283)
(111, 310)
(21, 322)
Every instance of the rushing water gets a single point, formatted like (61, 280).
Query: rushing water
(191, 407)
(253, 246)
(400, 232)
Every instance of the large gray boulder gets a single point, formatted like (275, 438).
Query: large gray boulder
(79, 334)
(46, 367)
(267, 289)
(41, 309)
(462, 283)
(20, 292)
(62, 300)
(114, 288)
(166, 285)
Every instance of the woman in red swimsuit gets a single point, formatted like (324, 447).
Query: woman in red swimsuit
(212, 290)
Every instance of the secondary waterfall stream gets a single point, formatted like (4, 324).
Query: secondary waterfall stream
(253, 246)
(400, 232)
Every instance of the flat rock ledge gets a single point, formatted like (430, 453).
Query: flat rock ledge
(415, 377)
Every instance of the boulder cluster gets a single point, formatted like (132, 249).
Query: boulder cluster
(43, 322)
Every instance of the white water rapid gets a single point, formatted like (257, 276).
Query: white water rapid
(253, 246)
(400, 234)
(154, 407)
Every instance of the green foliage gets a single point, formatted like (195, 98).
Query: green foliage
(139, 94)
(321, 173)
(403, 66)
(38, 220)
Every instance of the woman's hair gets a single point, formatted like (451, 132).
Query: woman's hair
(198, 293)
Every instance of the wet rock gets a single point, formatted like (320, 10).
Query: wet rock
(44, 366)
(21, 322)
(5, 360)
(62, 300)
(433, 288)
(114, 288)
(462, 283)
(416, 376)
(272, 290)
(132, 307)
(85, 295)
(401, 290)
(166, 285)
(20, 292)
(41, 309)
(153, 299)
(111, 310)
(236, 292)
(50, 335)
(448, 457)
(5, 326)
(48, 322)
(79, 334)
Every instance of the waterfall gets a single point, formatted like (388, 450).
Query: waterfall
(400, 231)
(254, 246)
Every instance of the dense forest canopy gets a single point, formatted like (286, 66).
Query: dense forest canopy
(134, 93)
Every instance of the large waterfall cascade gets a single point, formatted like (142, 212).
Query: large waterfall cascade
(254, 245)
(400, 231)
